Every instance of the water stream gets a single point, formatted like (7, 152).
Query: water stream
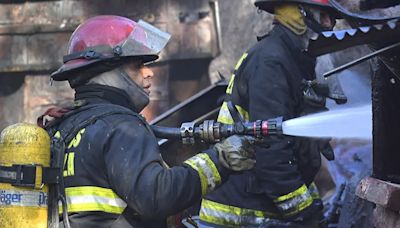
(341, 123)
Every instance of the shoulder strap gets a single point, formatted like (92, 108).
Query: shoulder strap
(68, 129)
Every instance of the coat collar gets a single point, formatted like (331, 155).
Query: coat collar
(89, 94)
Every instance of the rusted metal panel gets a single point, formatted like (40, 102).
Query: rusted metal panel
(11, 100)
(48, 45)
(189, 21)
(13, 52)
(11, 14)
(32, 53)
(193, 30)
(38, 96)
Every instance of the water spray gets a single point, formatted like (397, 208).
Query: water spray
(353, 123)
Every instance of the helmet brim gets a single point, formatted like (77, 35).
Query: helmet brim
(270, 5)
(95, 66)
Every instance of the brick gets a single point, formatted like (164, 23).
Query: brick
(380, 192)
(385, 218)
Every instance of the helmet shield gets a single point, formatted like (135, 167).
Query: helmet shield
(144, 40)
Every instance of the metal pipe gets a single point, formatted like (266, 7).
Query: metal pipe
(362, 59)
(217, 22)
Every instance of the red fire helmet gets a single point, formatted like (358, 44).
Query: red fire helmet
(269, 5)
(102, 40)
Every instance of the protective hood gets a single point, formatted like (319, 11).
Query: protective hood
(119, 79)
(290, 16)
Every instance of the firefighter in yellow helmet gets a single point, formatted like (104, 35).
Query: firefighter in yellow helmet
(113, 172)
(270, 80)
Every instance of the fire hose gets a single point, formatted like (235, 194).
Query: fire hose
(211, 131)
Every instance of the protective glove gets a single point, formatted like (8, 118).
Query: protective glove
(237, 152)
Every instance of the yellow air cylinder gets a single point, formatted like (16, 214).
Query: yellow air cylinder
(24, 144)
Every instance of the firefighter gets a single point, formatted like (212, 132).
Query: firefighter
(113, 172)
(275, 78)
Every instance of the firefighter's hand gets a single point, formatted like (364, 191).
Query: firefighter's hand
(237, 152)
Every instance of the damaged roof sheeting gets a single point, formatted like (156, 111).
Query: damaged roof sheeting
(363, 17)
(332, 41)
(371, 4)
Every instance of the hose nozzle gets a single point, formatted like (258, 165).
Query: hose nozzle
(211, 132)
(274, 126)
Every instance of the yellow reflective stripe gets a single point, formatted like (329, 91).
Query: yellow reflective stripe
(91, 198)
(230, 85)
(77, 139)
(222, 219)
(232, 80)
(226, 215)
(300, 191)
(203, 178)
(92, 190)
(208, 172)
(95, 207)
(243, 113)
(244, 56)
(231, 209)
(69, 161)
(57, 134)
(225, 117)
(295, 201)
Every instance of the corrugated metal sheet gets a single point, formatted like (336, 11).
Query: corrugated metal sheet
(333, 41)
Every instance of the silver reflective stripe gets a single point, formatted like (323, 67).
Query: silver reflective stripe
(23, 198)
(224, 115)
(92, 198)
(76, 200)
(294, 202)
(215, 216)
(211, 179)
(314, 191)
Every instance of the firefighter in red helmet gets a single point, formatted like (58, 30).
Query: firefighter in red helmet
(113, 173)
(272, 79)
